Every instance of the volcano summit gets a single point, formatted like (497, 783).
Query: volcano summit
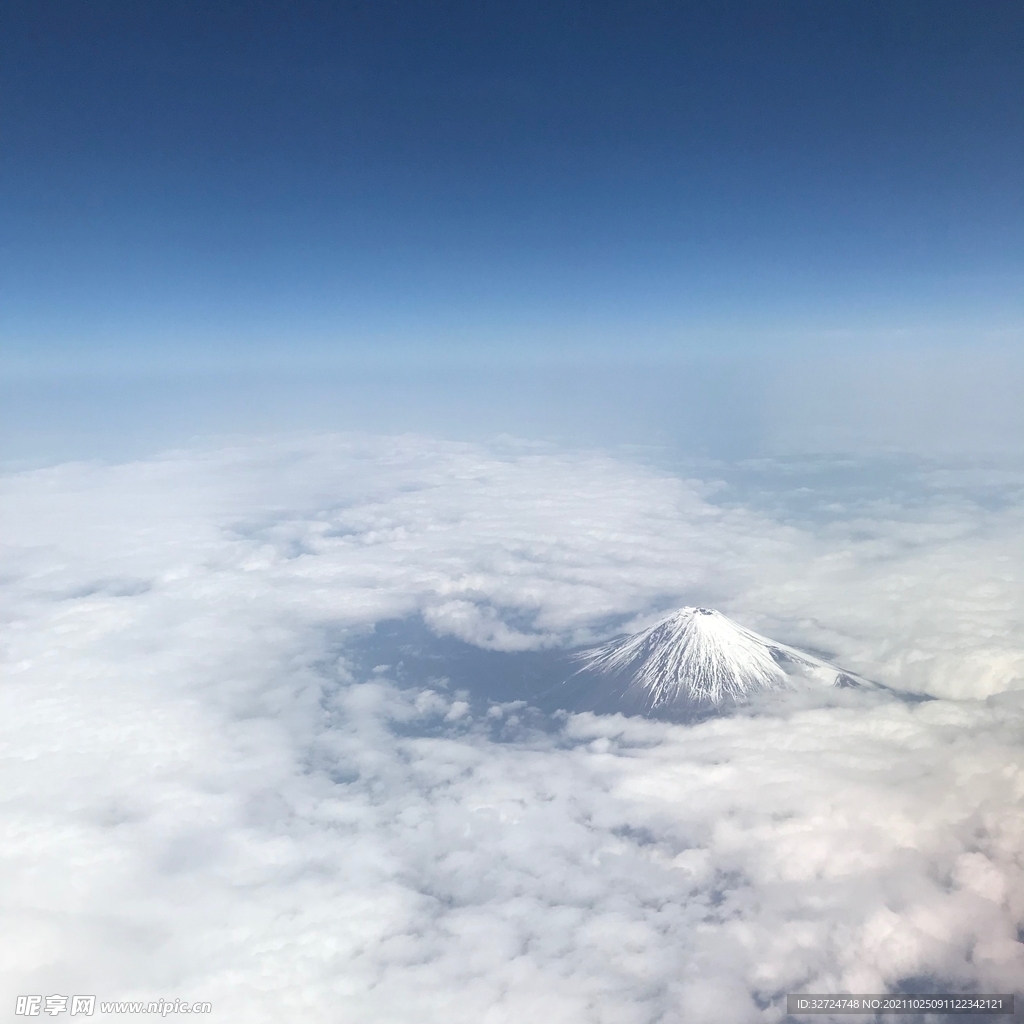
(696, 658)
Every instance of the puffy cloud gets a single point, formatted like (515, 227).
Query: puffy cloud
(201, 799)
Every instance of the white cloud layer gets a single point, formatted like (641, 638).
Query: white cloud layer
(202, 801)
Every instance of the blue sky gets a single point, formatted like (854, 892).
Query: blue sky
(192, 181)
(368, 215)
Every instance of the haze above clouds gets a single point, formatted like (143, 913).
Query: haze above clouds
(205, 801)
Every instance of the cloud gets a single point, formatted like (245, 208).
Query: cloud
(203, 801)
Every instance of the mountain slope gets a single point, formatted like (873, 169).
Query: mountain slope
(694, 658)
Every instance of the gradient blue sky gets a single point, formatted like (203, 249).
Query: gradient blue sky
(721, 227)
(185, 182)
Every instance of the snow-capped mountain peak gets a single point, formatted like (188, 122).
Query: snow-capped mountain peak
(698, 656)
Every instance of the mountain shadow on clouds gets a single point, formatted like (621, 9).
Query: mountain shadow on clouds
(694, 664)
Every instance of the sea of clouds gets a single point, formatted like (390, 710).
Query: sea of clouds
(205, 798)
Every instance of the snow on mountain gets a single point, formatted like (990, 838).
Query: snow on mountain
(697, 657)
